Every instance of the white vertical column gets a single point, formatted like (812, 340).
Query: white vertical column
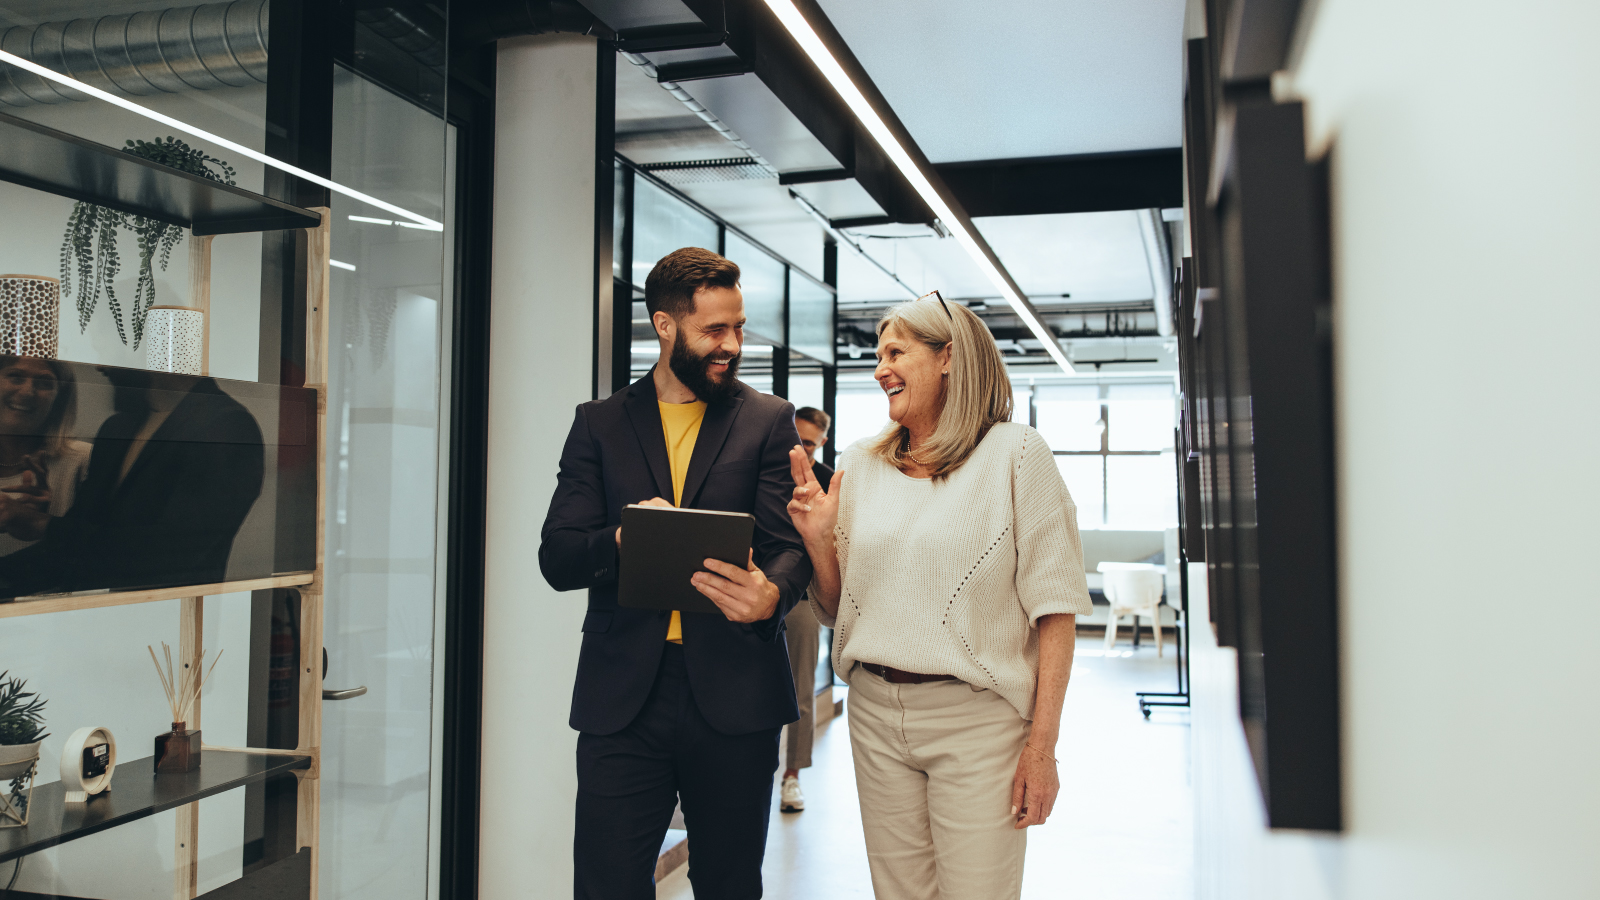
(540, 364)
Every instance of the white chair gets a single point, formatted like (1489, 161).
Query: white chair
(1132, 589)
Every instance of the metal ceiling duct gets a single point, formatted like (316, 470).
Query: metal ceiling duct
(192, 48)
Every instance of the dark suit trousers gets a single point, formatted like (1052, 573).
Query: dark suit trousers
(628, 783)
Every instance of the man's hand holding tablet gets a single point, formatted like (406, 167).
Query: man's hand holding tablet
(743, 595)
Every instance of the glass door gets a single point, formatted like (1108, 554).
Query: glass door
(389, 309)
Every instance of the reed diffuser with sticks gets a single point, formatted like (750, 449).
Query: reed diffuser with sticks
(178, 750)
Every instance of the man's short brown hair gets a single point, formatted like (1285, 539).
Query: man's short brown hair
(815, 416)
(671, 285)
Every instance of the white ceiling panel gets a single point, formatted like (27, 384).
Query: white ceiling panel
(744, 104)
(840, 199)
(1096, 257)
(924, 262)
(1023, 79)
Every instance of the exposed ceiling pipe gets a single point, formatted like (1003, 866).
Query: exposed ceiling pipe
(696, 107)
(1159, 257)
(193, 48)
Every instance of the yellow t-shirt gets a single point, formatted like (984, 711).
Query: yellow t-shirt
(681, 424)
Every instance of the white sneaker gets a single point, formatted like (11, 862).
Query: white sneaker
(791, 800)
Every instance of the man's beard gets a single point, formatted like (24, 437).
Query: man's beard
(695, 373)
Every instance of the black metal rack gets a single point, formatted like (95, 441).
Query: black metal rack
(54, 161)
(1180, 697)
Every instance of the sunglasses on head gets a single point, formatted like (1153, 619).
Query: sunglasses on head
(937, 296)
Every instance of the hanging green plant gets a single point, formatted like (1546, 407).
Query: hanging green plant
(89, 249)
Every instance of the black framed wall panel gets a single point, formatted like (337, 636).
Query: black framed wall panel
(1281, 462)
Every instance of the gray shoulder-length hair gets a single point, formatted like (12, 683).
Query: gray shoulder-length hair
(977, 393)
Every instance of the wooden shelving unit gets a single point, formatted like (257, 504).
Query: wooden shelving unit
(59, 163)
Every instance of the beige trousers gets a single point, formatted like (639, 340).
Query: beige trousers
(934, 764)
(801, 633)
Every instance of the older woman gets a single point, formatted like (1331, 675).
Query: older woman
(947, 560)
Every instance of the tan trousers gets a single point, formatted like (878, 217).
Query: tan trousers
(934, 764)
(801, 632)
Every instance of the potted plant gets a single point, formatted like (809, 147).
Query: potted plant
(21, 732)
(89, 250)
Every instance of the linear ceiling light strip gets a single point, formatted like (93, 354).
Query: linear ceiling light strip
(960, 228)
(203, 135)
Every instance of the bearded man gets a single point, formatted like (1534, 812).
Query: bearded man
(676, 706)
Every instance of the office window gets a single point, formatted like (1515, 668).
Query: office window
(1140, 416)
(1069, 416)
(1086, 482)
(761, 278)
(1113, 445)
(661, 224)
(859, 411)
(810, 318)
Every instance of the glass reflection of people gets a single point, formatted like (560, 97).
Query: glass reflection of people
(802, 632)
(41, 466)
(172, 474)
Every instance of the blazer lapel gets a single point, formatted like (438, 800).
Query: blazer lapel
(646, 419)
(713, 434)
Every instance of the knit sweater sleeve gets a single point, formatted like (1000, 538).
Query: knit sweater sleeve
(1050, 576)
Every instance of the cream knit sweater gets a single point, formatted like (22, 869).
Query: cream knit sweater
(950, 577)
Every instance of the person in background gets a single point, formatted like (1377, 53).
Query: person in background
(674, 706)
(812, 425)
(802, 631)
(947, 557)
(40, 465)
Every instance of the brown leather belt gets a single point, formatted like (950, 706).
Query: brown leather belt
(897, 676)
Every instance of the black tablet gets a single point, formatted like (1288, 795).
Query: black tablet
(662, 548)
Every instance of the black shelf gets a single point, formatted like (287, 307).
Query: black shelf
(49, 160)
(136, 792)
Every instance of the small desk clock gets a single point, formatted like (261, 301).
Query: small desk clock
(87, 761)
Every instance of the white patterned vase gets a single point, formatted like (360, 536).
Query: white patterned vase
(173, 339)
(30, 315)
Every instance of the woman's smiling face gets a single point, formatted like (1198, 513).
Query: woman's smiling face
(913, 375)
(28, 390)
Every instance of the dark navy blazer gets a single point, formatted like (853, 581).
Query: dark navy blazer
(616, 454)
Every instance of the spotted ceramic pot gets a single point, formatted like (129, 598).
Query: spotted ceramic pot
(173, 339)
(30, 315)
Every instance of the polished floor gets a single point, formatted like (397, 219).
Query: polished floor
(1122, 828)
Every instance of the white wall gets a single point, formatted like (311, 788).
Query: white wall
(1465, 197)
(540, 361)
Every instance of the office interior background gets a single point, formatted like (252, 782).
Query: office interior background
(1296, 290)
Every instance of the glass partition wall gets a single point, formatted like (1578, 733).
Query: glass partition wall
(790, 314)
(182, 384)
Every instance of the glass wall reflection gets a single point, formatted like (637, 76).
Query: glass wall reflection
(120, 479)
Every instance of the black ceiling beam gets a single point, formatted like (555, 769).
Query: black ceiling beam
(756, 35)
(814, 176)
(490, 20)
(1141, 179)
(697, 69)
(669, 37)
(860, 221)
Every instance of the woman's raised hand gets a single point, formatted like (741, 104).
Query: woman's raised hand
(813, 510)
